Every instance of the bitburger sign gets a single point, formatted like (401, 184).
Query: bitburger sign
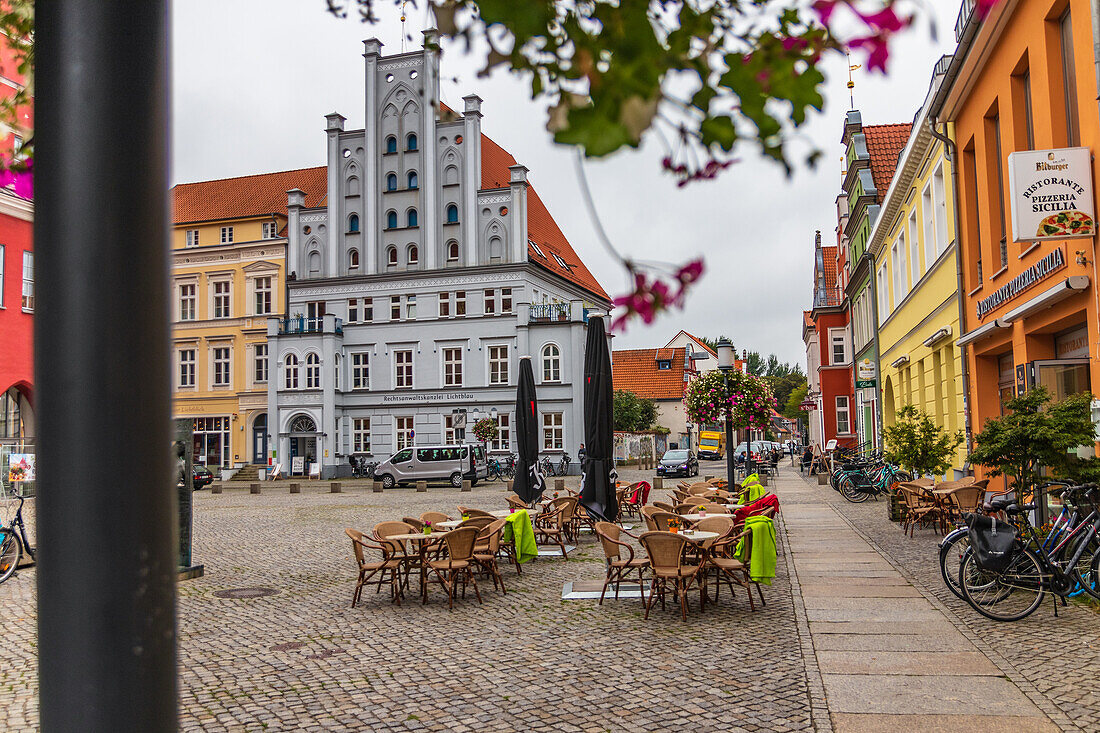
(1051, 193)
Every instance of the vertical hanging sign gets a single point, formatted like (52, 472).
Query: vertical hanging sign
(1051, 194)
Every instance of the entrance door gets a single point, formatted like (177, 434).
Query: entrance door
(307, 449)
(259, 440)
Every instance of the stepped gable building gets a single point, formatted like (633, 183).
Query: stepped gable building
(430, 268)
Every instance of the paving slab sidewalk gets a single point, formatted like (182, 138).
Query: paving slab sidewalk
(889, 659)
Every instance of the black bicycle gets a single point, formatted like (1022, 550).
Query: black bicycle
(1017, 590)
(13, 542)
(361, 468)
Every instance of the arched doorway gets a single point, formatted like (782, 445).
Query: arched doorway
(259, 439)
(303, 444)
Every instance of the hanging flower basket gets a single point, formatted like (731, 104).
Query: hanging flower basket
(748, 397)
(485, 429)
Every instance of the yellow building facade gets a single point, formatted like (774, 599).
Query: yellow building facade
(915, 259)
(229, 277)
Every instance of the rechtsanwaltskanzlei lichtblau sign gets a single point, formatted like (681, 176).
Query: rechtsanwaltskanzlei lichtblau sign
(1051, 194)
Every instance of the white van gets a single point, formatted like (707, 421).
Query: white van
(433, 462)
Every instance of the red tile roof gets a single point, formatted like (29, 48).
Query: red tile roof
(245, 196)
(699, 341)
(828, 257)
(541, 227)
(884, 144)
(807, 319)
(635, 370)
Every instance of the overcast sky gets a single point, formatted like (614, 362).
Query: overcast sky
(253, 79)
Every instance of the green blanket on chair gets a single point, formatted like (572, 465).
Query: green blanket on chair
(752, 485)
(763, 557)
(520, 530)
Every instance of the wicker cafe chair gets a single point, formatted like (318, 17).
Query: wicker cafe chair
(918, 508)
(409, 560)
(434, 517)
(966, 499)
(664, 506)
(661, 520)
(467, 512)
(728, 568)
(486, 550)
(416, 524)
(666, 560)
(390, 565)
(456, 566)
(700, 489)
(551, 526)
(631, 503)
(618, 567)
(514, 502)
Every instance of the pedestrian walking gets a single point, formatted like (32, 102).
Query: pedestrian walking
(581, 453)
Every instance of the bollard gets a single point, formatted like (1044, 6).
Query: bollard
(421, 486)
(559, 484)
(215, 488)
(466, 484)
(253, 488)
(510, 483)
(658, 483)
(295, 488)
(335, 488)
(822, 478)
(764, 478)
(707, 478)
(377, 487)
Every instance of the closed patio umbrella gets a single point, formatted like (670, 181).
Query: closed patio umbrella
(598, 474)
(528, 483)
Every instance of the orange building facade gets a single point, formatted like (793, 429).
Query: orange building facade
(1024, 79)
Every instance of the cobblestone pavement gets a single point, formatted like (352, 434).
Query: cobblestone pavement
(1055, 660)
(304, 660)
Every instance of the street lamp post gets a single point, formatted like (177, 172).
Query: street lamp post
(750, 464)
(725, 364)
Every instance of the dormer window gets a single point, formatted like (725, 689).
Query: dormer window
(664, 364)
(410, 142)
(561, 263)
(391, 144)
(536, 248)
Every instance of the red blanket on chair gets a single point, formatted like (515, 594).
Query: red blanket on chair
(758, 506)
(640, 494)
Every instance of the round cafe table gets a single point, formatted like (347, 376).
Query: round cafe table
(422, 541)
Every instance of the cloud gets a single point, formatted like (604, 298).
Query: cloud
(253, 79)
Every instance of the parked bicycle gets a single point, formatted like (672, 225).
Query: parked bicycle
(1009, 587)
(362, 468)
(858, 481)
(14, 541)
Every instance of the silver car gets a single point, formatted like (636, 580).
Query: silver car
(451, 463)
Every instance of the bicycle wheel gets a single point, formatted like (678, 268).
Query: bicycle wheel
(1006, 596)
(952, 549)
(1087, 566)
(11, 549)
(847, 489)
(835, 478)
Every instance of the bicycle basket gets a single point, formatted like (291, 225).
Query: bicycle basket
(991, 541)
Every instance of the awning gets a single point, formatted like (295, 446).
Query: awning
(1070, 286)
(982, 332)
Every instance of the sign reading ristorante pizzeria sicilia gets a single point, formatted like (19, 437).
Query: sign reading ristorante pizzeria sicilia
(1051, 194)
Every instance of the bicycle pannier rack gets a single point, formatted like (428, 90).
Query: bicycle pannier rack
(991, 541)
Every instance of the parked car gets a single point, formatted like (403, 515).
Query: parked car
(434, 462)
(201, 477)
(678, 463)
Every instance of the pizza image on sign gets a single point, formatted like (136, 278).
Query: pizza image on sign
(1065, 224)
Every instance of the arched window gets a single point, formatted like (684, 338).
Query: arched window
(410, 142)
(353, 186)
(412, 254)
(452, 214)
(313, 371)
(496, 249)
(353, 259)
(391, 182)
(353, 223)
(411, 218)
(391, 256)
(551, 363)
(450, 176)
(452, 251)
(414, 182)
(314, 263)
(391, 219)
(290, 372)
(391, 144)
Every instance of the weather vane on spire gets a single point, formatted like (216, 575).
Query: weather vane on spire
(851, 84)
(403, 18)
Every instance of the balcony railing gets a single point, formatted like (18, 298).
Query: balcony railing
(828, 297)
(303, 325)
(549, 312)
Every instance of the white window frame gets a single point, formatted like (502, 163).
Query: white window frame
(449, 436)
(503, 441)
(846, 411)
(928, 225)
(834, 334)
(883, 293)
(262, 295)
(353, 310)
(191, 238)
(290, 371)
(939, 202)
(186, 369)
(506, 301)
(553, 362)
(410, 307)
(452, 362)
(188, 303)
(313, 370)
(460, 304)
(227, 295)
(27, 299)
(360, 435)
(261, 366)
(227, 235)
(445, 305)
(404, 432)
(269, 230)
(553, 431)
(914, 248)
(395, 308)
(498, 364)
(360, 370)
(400, 379)
(900, 269)
(217, 364)
(490, 302)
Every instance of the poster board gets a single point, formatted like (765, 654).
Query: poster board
(315, 470)
(1050, 193)
(21, 467)
(298, 465)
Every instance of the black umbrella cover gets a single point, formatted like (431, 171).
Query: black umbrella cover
(528, 483)
(598, 475)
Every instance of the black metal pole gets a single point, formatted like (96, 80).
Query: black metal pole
(106, 510)
(731, 476)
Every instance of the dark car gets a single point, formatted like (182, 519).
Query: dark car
(678, 463)
(201, 477)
